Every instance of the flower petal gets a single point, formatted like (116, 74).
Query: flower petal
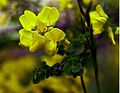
(97, 25)
(98, 31)
(55, 35)
(41, 26)
(38, 42)
(51, 48)
(51, 60)
(111, 35)
(25, 37)
(100, 11)
(48, 15)
(50, 45)
(28, 20)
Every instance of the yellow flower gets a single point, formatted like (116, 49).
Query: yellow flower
(98, 19)
(87, 2)
(3, 3)
(31, 39)
(66, 44)
(111, 35)
(117, 30)
(38, 32)
(3, 19)
(65, 4)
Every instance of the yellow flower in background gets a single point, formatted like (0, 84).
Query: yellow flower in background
(87, 2)
(66, 44)
(98, 19)
(117, 30)
(111, 35)
(38, 32)
(65, 4)
(3, 3)
(3, 19)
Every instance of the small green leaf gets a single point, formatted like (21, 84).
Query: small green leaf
(77, 68)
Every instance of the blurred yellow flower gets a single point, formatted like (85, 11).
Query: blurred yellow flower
(87, 2)
(3, 19)
(3, 3)
(111, 35)
(38, 32)
(66, 44)
(65, 4)
(117, 30)
(98, 19)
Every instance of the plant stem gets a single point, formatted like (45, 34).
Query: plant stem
(91, 42)
(83, 84)
(94, 56)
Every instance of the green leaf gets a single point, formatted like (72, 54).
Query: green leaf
(77, 68)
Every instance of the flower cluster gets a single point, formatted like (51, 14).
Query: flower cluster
(98, 19)
(38, 31)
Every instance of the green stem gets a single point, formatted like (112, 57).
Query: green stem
(91, 43)
(94, 56)
(83, 84)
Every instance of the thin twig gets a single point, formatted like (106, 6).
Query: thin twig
(91, 43)
(83, 84)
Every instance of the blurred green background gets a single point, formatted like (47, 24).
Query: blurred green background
(17, 63)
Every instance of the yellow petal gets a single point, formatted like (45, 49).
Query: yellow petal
(55, 35)
(28, 20)
(100, 11)
(25, 37)
(38, 42)
(3, 19)
(51, 47)
(41, 26)
(48, 15)
(65, 4)
(111, 35)
(117, 30)
(51, 60)
(97, 32)
(3, 3)
(97, 25)
(94, 16)
(66, 44)
(97, 22)
(86, 2)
